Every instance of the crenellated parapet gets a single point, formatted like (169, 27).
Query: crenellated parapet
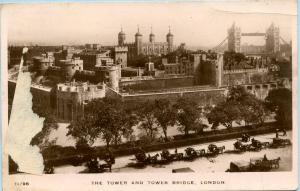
(71, 98)
(255, 70)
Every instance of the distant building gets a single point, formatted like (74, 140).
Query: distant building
(132, 72)
(95, 58)
(120, 56)
(93, 46)
(66, 53)
(182, 66)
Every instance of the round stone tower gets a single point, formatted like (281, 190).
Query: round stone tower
(121, 38)
(114, 77)
(41, 65)
(138, 42)
(68, 69)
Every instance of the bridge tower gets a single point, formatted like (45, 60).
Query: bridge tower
(234, 39)
(272, 39)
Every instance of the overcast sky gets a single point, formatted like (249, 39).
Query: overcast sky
(196, 24)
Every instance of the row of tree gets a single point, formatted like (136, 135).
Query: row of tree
(238, 106)
(111, 119)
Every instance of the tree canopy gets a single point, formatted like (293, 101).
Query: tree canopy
(187, 114)
(146, 113)
(103, 118)
(280, 102)
(164, 114)
(239, 105)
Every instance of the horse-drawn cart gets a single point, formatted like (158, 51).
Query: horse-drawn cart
(258, 164)
(278, 142)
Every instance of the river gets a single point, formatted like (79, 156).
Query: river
(216, 164)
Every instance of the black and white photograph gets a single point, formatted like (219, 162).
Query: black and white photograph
(107, 89)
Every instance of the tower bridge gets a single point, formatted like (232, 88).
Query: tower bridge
(234, 36)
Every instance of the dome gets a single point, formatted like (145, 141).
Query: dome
(138, 34)
(121, 33)
(151, 37)
(170, 34)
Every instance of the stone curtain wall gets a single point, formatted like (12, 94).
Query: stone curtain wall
(201, 97)
(245, 77)
(156, 84)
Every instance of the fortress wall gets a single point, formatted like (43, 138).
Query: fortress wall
(154, 84)
(235, 78)
(201, 97)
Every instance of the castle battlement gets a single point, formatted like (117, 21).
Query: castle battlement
(260, 70)
(121, 49)
(79, 87)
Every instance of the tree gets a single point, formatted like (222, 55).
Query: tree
(147, 119)
(112, 119)
(253, 110)
(215, 116)
(199, 126)
(239, 105)
(187, 114)
(280, 102)
(103, 118)
(225, 113)
(84, 131)
(127, 119)
(164, 114)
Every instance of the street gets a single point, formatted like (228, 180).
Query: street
(215, 164)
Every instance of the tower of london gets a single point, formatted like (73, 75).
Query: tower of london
(150, 48)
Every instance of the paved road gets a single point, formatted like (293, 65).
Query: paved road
(217, 164)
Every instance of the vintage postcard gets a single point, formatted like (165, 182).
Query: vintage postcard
(149, 96)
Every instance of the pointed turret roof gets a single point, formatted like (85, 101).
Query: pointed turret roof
(151, 33)
(138, 32)
(170, 34)
(121, 32)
